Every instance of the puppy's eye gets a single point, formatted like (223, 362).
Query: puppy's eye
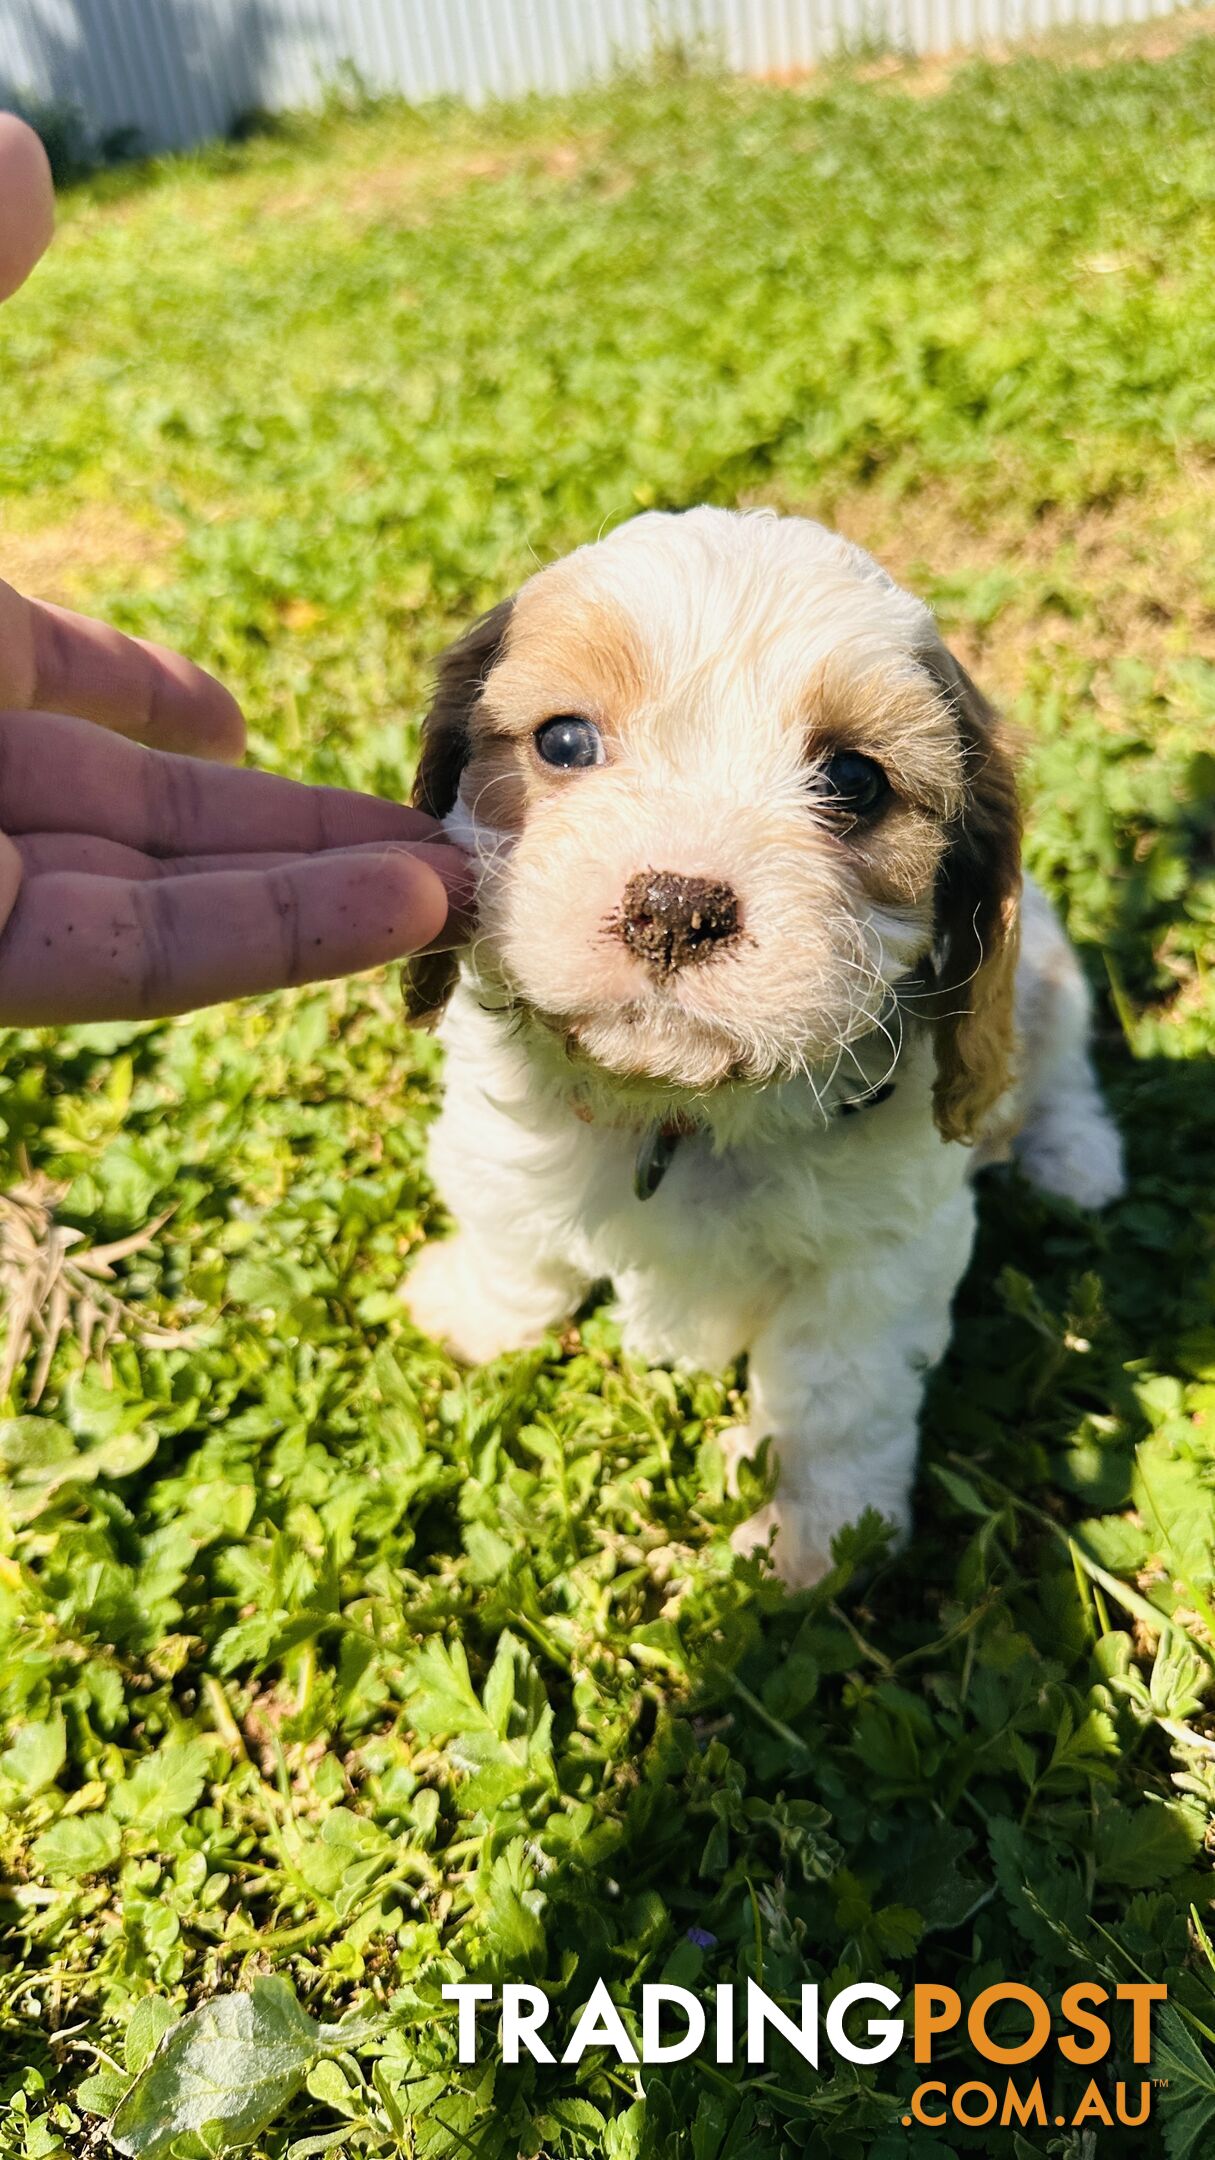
(852, 784)
(569, 741)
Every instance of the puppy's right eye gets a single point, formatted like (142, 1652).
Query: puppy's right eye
(569, 741)
(854, 784)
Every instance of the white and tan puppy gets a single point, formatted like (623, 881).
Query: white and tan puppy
(744, 1008)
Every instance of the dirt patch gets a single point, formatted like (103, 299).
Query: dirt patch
(403, 187)
(928, 75)
(98, 548)
(1134, 579)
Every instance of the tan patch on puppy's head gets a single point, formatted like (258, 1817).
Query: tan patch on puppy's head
(892, 714)
(567, 655)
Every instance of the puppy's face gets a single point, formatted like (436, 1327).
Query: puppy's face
(724, 785)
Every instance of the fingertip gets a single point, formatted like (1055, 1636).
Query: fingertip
(215, 730)
(457, 873)
(27, 194)
(194, 715)
(229, 734)
(418, 897)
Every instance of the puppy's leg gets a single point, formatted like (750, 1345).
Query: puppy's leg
(836, 1377)
(482, 1295)
(503, 1278)
(1068, 1143)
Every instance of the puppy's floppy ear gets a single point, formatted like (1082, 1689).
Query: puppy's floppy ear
(429, 978)
(974, 958)
(446, 730)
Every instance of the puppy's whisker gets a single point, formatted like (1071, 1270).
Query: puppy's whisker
(830, 1080)
(927, 992)
(801, 1069)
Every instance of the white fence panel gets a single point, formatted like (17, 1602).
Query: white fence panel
(183, 70)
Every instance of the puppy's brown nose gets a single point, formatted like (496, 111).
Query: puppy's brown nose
(671, 921)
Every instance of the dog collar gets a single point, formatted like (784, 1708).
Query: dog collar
(657, 1145)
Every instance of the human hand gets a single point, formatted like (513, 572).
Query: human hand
(134, 883)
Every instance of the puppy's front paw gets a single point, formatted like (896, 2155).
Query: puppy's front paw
(447, 1300)
(481, 1304)
(797, 1556)
(738, 1444)
(432, 1294)
(800, 1524)
(1075, 1152)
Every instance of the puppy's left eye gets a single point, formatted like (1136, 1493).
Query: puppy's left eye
(569, 741)
(853, 784)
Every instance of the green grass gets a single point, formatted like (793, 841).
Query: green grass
(303, 409)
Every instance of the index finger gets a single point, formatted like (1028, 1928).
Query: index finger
(67, 663)
(166, 805)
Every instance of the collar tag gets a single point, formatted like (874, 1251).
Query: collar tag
(654, 1156)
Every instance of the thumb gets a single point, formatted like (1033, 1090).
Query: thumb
(27, 202)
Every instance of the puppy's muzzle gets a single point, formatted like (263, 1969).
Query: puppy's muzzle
(673, 922)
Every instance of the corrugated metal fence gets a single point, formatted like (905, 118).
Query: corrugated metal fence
(182, 70)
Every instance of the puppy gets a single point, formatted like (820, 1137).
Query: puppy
(756, 985)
